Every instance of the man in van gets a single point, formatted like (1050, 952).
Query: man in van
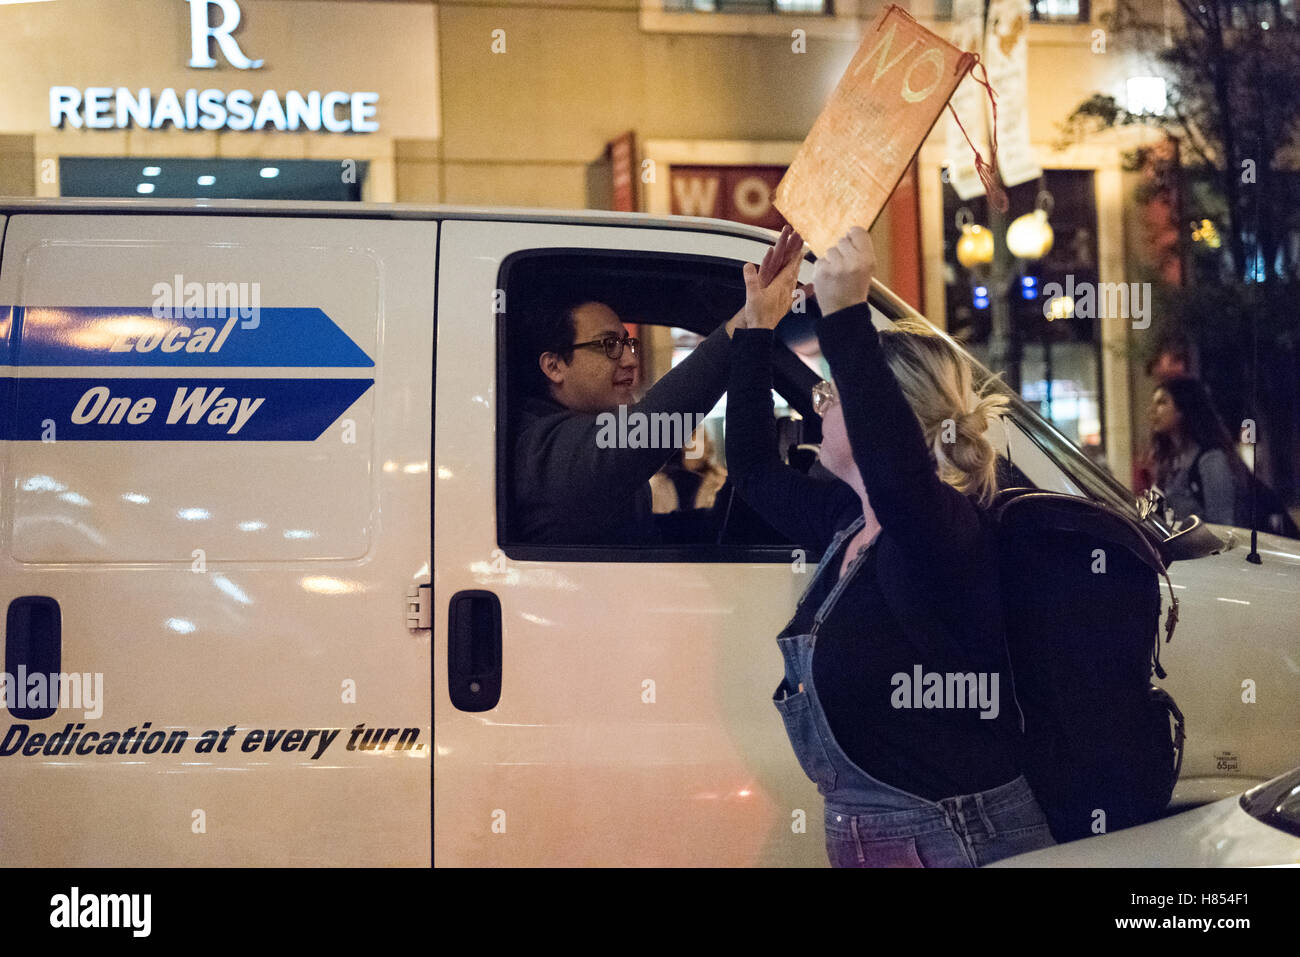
(579, 479)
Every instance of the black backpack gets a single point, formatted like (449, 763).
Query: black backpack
(1083, 646)
(1273, 516)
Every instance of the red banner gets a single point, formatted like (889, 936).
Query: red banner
(742, 194)
(622, 158)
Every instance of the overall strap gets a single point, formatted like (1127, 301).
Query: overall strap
(831, 556)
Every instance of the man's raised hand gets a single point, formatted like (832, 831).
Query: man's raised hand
(769, 288)
(779, 253)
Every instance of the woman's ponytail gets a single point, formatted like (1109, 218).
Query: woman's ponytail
(936, 379)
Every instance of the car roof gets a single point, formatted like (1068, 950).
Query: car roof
(882, 296)
(277, 207)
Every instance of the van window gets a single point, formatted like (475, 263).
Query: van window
(669, 303)
(146, 445)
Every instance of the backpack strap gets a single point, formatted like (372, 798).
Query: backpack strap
(1071, 517)
(1194, 478)
(1154, 560)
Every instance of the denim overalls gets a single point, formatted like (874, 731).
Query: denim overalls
(870, 823)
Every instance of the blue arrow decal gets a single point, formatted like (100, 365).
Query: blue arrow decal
(6, 332)
(174, 410)
(144, 336)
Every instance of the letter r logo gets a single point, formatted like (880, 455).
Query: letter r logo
(201, 30)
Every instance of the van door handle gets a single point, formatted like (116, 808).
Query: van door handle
(33, 642)
(474, 650)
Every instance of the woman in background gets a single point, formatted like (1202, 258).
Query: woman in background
(1196, 466)
(1192, 455)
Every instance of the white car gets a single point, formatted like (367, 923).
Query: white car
(1234, 662)
(1259, 828)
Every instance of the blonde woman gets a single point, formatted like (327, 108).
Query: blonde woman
(896, 694)
(691, 479)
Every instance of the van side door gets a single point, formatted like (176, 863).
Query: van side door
(634, 723)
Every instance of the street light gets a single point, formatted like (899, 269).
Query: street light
(1028, 238)
(975, 247)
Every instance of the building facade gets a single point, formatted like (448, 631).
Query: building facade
(666, 106)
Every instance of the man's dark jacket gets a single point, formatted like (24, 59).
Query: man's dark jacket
(567, 490)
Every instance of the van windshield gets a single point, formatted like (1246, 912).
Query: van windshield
(1098, 483)
(1276, 802)
(1095, 480)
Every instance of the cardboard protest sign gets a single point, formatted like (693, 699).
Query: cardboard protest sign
(874, 123)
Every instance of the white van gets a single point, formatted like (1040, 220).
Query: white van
(253, 476)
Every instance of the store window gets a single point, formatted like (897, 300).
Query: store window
(189, 178)
(1059, 11)
(1050, 348)
(1040, 11)
(746, 6)
(825, 19)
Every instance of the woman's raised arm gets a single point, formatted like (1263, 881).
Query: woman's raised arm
(929, 518)
(804, 510)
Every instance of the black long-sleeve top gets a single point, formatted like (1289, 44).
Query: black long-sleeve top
(926, 593)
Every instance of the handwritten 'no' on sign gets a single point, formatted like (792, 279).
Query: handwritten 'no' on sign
(874, 123)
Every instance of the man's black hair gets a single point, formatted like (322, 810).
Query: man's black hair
(552, 329)
(555, 329)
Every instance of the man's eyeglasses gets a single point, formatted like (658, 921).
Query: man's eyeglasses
(613, 345)
(823, 396)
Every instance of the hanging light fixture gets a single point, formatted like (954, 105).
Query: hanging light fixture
(1030, 236)
(975, 247)
(1206, 233)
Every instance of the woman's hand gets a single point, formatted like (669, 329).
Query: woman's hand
(843, 276)
(769, 288)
